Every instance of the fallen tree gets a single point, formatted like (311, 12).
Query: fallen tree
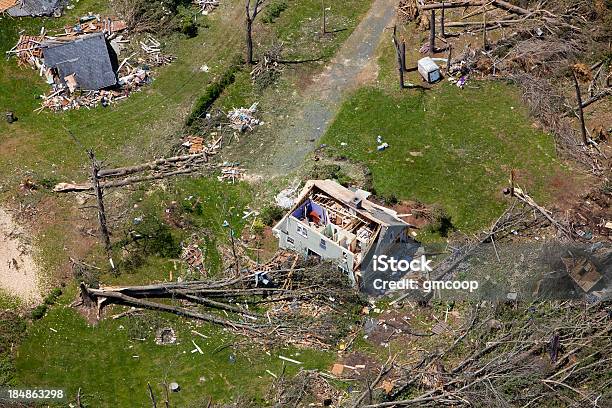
(299, 304)
(552, 352)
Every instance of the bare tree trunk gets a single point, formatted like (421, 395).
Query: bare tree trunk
(442, 18)
(236, 261)
(432, 32)
(251, 14)
(167, 401)
(95, 179)
(249, 40)
(151, 396)
(580, 110)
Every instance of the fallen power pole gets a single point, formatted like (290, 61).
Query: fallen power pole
(101, 179)
(95, 182)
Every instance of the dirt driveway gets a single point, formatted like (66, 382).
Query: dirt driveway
(354, 64)
(18, 273)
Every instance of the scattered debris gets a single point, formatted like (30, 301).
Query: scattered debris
(290, 360)
(165, 336)
(243, 119)
(195, 144)
(337, 369)
(194, 257)
(231, 172)
(197, 348)
(382, 147)
(154, 56)
(80, 68)
(286, 198)
(207, 6)
(10, 117)
(583, 272)
(31, 8)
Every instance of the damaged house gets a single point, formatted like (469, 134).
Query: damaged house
(86, 63)
(335, 223)
(32, 8)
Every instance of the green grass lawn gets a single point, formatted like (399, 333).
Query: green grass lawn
(149, 123)
(100, 358)
(299, 28)
(448, 146)
(112, 366)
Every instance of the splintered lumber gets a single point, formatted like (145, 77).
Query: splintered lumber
(504, 5)
(580, 109)
(525, 198)
(454, 4)
(510, 7)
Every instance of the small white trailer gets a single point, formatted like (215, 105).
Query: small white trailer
(429, 70)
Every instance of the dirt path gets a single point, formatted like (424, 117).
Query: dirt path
(354, 64)
(18, 275)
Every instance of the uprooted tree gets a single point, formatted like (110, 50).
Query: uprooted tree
(287, 299)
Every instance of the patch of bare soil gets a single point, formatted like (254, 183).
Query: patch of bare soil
(18, 271)
(413, 213)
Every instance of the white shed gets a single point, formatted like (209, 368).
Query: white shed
(429, 70)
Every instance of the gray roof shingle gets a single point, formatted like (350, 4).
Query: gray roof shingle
(88, 58)
(34, 8)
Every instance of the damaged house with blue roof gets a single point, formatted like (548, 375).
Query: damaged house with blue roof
(87, 62)
(335, 223)
(31, 8)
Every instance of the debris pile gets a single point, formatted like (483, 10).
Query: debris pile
(197, 144)
(28, 50)
(153, 54)
(269, 67)
(207, 6)
(193, 256)
(92, 76)
(62, 99)
(243, 119)
(231, 172)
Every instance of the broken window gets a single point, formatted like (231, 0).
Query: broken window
(323, 244)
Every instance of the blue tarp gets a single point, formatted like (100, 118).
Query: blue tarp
(307, 208)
